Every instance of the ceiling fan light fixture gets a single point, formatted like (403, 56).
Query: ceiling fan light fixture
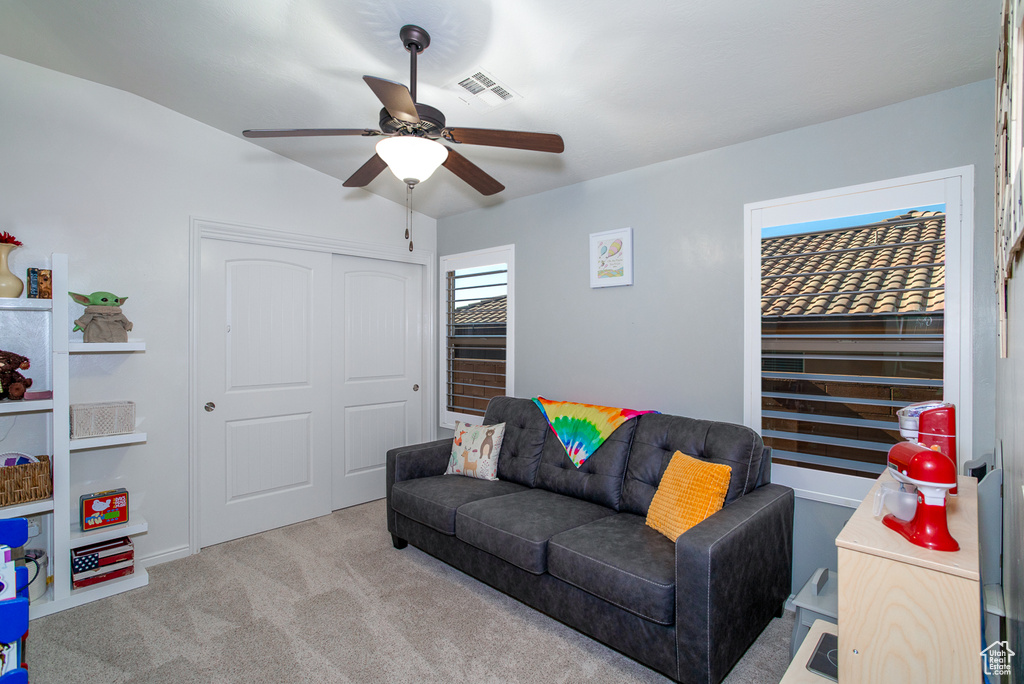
(412, 159)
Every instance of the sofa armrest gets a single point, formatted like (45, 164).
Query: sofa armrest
(733, 575)
(414, 461)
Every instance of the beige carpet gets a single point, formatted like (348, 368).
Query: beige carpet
(330, 600)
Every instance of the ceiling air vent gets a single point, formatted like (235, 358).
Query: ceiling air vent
(483, 92)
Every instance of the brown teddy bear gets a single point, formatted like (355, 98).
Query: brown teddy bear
(12, 383)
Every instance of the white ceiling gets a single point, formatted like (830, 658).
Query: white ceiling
(626, 84)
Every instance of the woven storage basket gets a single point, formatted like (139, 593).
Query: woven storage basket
(105, 418)
(23, 483)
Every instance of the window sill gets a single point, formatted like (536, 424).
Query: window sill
(819, 485)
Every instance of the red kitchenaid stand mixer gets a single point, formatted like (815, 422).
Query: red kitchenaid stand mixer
(927, 461)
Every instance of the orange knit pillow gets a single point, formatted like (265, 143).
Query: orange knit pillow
(689, 491)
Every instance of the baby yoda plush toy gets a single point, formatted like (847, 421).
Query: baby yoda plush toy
(102, 320)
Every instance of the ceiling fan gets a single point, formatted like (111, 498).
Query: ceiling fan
(411, 130)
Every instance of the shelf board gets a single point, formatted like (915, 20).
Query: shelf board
(136, 525)
(101, 347)
(107, 440)
(25, 406)
(26, 304)
(30, 508)
(45, 605)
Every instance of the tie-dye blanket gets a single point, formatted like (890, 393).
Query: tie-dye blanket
(582, 428)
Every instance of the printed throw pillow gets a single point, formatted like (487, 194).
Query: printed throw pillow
(475, 450)
(689, 491)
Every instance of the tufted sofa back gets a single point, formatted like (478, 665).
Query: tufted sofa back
(598, 479)
(624, 472)
(659, 436)
(525, 433)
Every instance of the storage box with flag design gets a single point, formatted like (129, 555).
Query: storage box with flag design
(101, 562)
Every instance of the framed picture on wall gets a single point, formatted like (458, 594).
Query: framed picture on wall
(611, 258)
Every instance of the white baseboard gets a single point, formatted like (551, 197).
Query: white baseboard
(165, 556)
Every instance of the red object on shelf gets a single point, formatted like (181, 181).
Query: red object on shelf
(101, 562)
(934, 474)
(113, 574)
(103, 509)
(937, 429)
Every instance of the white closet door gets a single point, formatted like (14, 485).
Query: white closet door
(264, 359)
(377, 351)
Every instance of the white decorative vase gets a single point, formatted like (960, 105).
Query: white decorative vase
(10, 284)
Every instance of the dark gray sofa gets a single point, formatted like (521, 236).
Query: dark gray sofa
(573, 543)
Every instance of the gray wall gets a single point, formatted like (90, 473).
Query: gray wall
(674, 340)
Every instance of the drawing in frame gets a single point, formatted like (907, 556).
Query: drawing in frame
(611, 258)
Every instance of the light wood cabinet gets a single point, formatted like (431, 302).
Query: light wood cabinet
(906, 613)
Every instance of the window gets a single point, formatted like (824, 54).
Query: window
(477, 298)
(851, 331)
(857, 302)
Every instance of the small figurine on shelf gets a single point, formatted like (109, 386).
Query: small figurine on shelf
(102, 320)
(12, 383)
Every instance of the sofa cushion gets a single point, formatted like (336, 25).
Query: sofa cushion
(621, 560)
(517, 527)
(433, 501)
(525, 434)
(659, 436)
(598, 479)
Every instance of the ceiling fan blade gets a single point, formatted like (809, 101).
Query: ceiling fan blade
(471, 173)
(519, 140)
(366, 173)
(396, 98)
(303, 132)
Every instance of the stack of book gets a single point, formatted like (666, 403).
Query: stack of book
(101, 562)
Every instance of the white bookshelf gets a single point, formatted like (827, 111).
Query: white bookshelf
(59, 512)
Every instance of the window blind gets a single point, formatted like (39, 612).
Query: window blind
(476, 337)
(851, 331)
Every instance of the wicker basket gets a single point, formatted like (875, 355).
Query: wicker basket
(105, 418)
(23, 483)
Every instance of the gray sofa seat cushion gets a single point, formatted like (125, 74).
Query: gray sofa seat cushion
(659, 436)
(433, 501)
(621, 560)
(525, 433)
(516, 527)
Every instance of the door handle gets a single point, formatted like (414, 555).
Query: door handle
(415, 388)
(210, 406)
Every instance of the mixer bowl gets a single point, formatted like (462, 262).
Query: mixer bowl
(900, 500)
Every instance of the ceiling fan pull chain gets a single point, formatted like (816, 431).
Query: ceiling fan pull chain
(408, 213)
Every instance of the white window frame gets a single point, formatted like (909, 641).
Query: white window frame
(952, 187)
(505, 254)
